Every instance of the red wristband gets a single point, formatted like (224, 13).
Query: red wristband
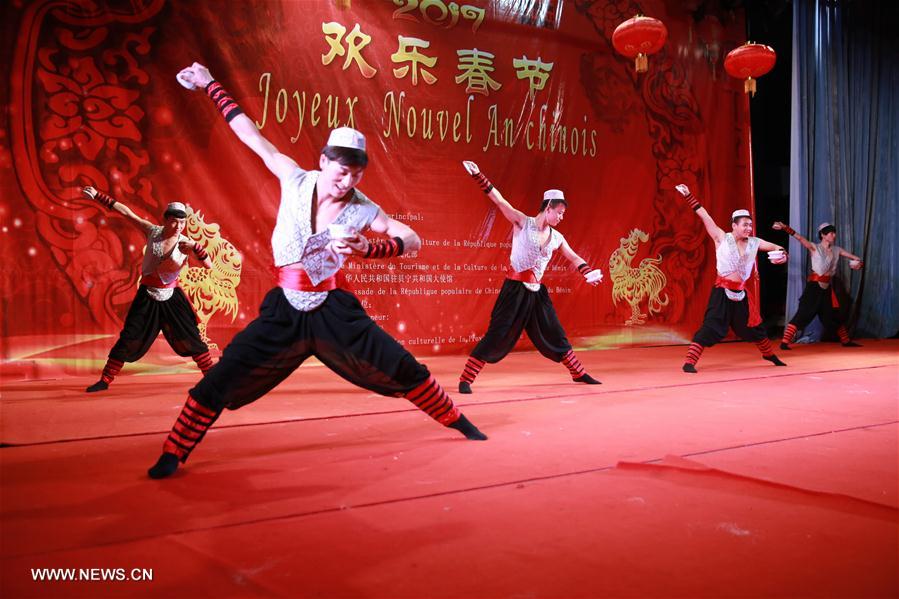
(223, 100)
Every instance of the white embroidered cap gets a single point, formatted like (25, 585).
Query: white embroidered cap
(738, 213)
(346, 137)
(175, 209)
(553, 194)
(823, 226)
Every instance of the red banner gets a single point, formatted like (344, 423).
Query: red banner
(537, 97)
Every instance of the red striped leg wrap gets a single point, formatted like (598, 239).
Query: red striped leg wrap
(431, 399)
(385, 248)
(472, 369)
(574, 366)
(204, 361)
(223, 100)
(843, 334)
(483, 182)
(111, 370)
(189, 429)
(789, 333)
(693, 202)
(693, 353)
(765, 347)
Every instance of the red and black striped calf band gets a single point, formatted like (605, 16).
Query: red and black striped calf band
(223, 100)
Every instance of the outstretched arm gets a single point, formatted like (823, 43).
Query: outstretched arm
(713, 230)
(116, 206)
(199, 76)
(858, 261)
(512, 214)
(591, 275)
(767, 246)
(779, 226)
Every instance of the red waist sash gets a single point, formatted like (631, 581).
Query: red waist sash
(153, 280)
(815, 277)
(298, 280)
(525, 276)
(728, 284)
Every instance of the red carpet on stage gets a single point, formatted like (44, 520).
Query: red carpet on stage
(743, 480)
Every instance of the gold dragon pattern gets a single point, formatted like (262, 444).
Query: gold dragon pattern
(635, 285)
(215, 289)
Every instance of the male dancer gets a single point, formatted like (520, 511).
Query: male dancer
(728, 305)
(159, 303)
(523, 302)
(319, 223)
(818, 299)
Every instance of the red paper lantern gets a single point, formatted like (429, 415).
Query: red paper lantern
(639, 37)
(750, 61)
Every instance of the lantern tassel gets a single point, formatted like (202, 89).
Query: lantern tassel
(749, 86)
(641, 63)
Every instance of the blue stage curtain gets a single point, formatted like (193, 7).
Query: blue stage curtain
(844, 166)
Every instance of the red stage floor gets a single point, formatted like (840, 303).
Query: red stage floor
(743, 480)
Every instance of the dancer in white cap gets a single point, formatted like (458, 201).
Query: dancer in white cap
(320, 222)
(523, 303)
(159, 304)
(818, 298)
(728, 305)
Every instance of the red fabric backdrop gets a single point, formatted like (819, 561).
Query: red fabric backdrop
(92, 99)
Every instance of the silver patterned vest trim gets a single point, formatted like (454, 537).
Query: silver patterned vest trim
(527, 254)
(293, 240)
(730, 261)
(166, 266)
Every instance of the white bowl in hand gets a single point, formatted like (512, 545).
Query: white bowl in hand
(184, 82)
(855, 264)
(594, 276)
(341, 231)
(776, 255)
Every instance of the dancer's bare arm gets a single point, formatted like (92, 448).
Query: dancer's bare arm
(279, 164)
(192, 246)
(779, 226)
(512, 214)
(382, 223)
(592, 275)
(714, 231)
(105, 199)
(859, 264)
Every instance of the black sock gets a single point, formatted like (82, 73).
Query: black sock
(100, 385)
(774, 360)
(464, 426)
(689, 368)
(852, 344)
(587, 379)
(464, 387)
(785, 346)
(165, 466)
